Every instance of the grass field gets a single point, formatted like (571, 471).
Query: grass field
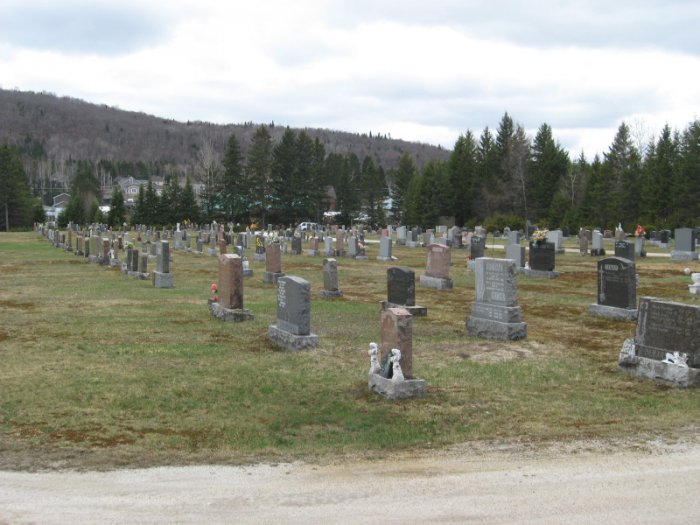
(99, 370)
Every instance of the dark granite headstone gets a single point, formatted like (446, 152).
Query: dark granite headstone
(477, 246)
(541, 256)
(624, 249)
(664, 236)
(401, 286)
(296, 245)
(664, 326)
(617, 284)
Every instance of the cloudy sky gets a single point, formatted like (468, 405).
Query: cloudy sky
(417, 70)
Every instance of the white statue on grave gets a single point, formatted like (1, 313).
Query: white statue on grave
(396, 373)
(374, 367)
(178, 226)
(676, 358)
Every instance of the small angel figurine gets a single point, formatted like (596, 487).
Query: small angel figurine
(374, 367)
(397, 373)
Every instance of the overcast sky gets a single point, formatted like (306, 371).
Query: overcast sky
(424, 71)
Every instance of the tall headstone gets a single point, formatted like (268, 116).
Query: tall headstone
(340, 243)
(384, 249)
(556, 237)
(597, 249)
(296, 245)
(397, 332)
(229, 306)
(401, 236)
(292, 330)
(437, 271)
(617, 289)
(684, 245)
(162, 278)
(583, 242)
(516, 253)
(401, 291)
(330, 280)
(665, 346)
(495, 313)
(273, 263)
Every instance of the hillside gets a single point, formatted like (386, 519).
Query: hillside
(51, 131)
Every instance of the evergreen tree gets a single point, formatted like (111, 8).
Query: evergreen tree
(151, 206)
(16, 201)
(188, 207)
(170, 202)
(685, 188)
(139, 214)
(546, 173)
(487, 168)
(234, 190)
(622, 167)
(463, 172)
(283, 175)
(374, 191)
(596, 203)
(659, 173)
(259, 170)
(117, 210)
(400, 180)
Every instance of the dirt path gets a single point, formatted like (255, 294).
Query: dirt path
(580, 483)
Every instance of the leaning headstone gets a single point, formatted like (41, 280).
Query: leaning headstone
(401, 291)
(495, 313)
(292, 330)
(684, 245)
(330, 280)
(391, 362)
(229, 306)
(665, 346)
(617, 289)
(273, 263)
(162, 278)
(384, 249)
(437, 271)
(541, 259)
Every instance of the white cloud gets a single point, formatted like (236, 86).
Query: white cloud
(425, 72)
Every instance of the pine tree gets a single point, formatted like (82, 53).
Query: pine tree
(685, 188)
(151, 206)
(117, 210)
(463, 172)
(547, 169)
(283, 175)
(259, 170)
(622, 167)
(16, 201)
(188, 207)
(234, 190)
(400, 180)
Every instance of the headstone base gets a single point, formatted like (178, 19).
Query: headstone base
(140, 276)
(330, 294)
(684, 256)
(612, 312)
(259, 257)
(401, 242)
(313, 253)
(543, 274)
(211, 252)
(362, 258)
(435, 282)
(272, 277)
(290, 341)
(94, 259)
(390, 389)
(115, 262)
(383, 259)
(411, 244)
(236, 315)
(248, 273)
(597, 252)
(415, 310)
(694, 289)
(69, 249)
(490, 329)
(162, 280)
(670, 374)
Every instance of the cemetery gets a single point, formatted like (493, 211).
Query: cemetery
(100, 369)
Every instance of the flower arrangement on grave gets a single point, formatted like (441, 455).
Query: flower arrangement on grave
(539, 236)
(214, 290)
(640, 231)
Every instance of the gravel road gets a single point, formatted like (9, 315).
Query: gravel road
(576, 483)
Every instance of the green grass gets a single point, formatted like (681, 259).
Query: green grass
(100, 370)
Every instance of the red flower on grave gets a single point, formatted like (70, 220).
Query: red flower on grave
(214, 288)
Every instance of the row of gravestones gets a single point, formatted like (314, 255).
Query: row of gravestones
(106, 251)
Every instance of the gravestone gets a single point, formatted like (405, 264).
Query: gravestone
(353, 247)
(328, 246)
(597, 249)
(162, 278)
(401, 235)
(401, 291)
(437, 271)
(514, 237)
(313, 250)
(684, 245)
(582, 243)
(292, 330)
(665, 346)
(639, 250)
(396, 341)
(495, 313)
(516, 253)
(229, 306)
(664, 237)
(340, 243)
(260, 254)
(477, 245)
(273, 264)
(384, 249)
(556, 237)
(330, 280)
(617, 289)
(625, 250)
(541, 260)
(296, 245)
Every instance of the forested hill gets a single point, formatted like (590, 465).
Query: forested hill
(50, 128)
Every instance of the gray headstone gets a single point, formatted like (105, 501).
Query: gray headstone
(294, 305)
(617, 283)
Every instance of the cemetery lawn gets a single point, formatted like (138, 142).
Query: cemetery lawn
(102, 371)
